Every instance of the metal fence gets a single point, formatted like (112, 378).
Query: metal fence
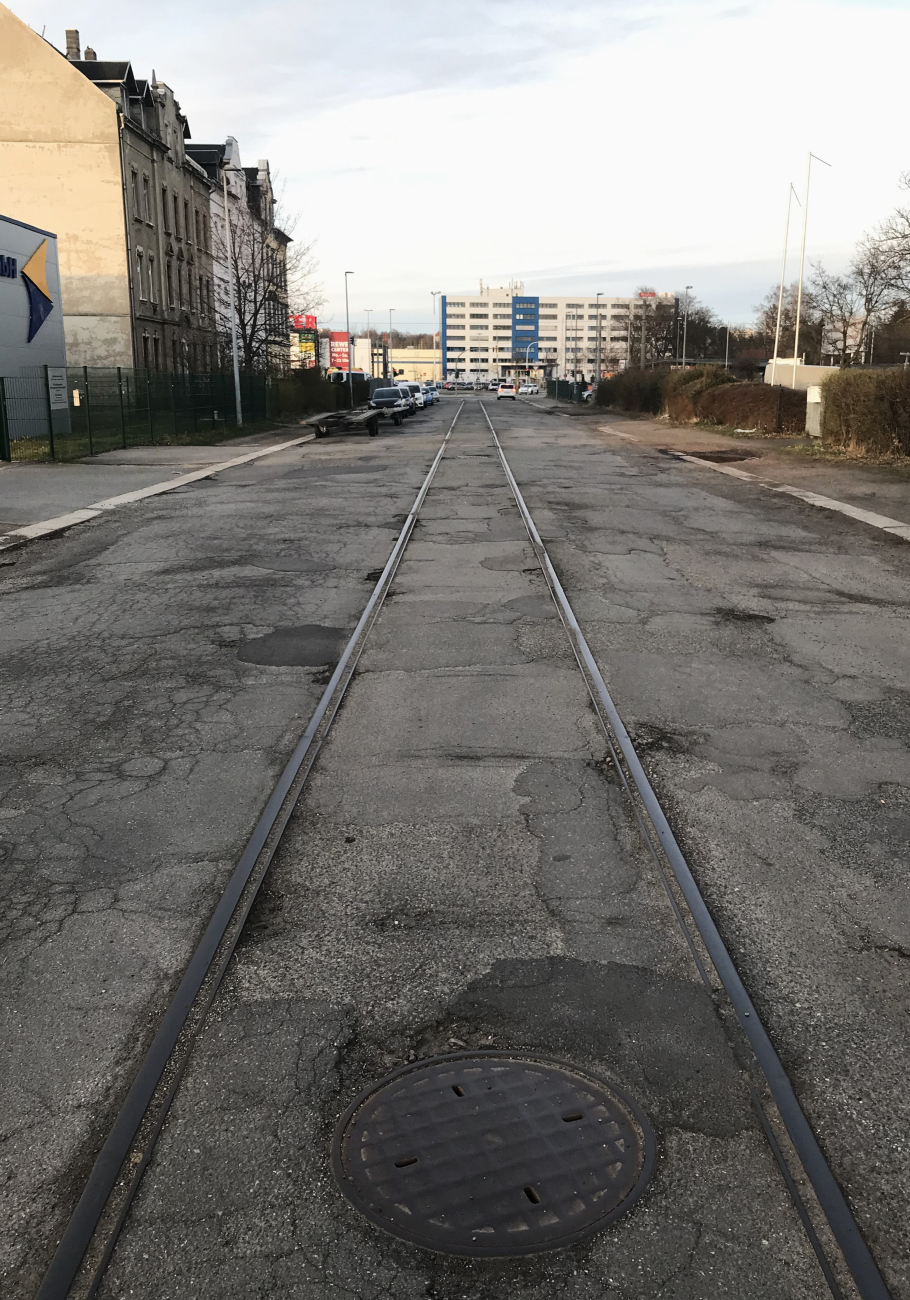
(568, 389)
(106, 409)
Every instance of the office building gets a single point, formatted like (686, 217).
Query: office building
(506, 331)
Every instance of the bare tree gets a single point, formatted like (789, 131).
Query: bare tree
(267, 266)
(839, 302)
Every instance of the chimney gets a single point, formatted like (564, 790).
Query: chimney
(72, 45)
(90, 55)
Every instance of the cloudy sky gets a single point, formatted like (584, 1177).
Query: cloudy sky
(576, 146)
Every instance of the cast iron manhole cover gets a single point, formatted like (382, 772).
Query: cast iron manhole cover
(492, 1153)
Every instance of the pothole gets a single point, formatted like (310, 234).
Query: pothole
(720, 457)
(486, 1153)
(741, 616)
(309, 646)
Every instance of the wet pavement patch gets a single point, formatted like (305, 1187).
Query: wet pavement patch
(309, 646)
(720, 457)
(492, 1154)
(293, 564)
(741, 616)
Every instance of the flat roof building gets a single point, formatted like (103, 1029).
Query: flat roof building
(506, 331)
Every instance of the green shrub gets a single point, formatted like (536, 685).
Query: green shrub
(685, 388)
(868, 409)
(633, 390)
(754, 406)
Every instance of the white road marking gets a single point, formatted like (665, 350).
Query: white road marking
(62, 522)
(883, 522)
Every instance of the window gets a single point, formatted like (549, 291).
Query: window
(174, 356)
(196, 226)
(205, 231)
(572, 306)
(187, 228)
(480, 304)
(145, 351)
(147, 199)
(139, 276)
(500, 304)
(528, 315)
(134, 189)
(454, 315)
(549, 317)
(456, 304)
(502, 329)
(165, 214)
(153, 287)
(479, 315)
(208, 296)
(156, 352)
(179, 285)
(169, 281)
(550, 305)
(176, 216)
(202, 295)
(189, 288)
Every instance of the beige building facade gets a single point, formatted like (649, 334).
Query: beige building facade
(98, 155)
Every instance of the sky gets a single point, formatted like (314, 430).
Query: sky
(580, 146)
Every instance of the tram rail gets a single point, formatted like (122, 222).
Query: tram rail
(91, 1234)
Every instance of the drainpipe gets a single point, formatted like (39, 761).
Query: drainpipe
(129, 242)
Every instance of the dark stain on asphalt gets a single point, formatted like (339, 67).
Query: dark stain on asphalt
(308, 646)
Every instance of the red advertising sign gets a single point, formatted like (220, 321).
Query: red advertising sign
(309, 322)
(338, 350)
(647, 293)
(299, 321)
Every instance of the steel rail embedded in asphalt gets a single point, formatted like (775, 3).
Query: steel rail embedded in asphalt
(859, 1259)
(102, 1180)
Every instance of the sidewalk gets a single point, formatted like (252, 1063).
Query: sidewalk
(32, 492)
(881, 489)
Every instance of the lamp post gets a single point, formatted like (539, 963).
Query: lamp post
(347, 318)
(597, 350)
(369, 312)
(391, 367)
(230, 258)
(434, 294)
(783, 268)
(802, 261)
(685, 325)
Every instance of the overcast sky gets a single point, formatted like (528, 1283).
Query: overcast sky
(577, 146)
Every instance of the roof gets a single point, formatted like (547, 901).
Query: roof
(108, 73)
(208, 156)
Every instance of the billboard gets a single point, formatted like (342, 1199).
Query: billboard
(338, 350)
(31, 317)
(299, 321)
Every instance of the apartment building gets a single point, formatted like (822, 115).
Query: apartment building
(506, 331)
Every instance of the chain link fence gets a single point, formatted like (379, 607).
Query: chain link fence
(106, 409)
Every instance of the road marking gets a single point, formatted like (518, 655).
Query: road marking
(46, 526)
(883, 522)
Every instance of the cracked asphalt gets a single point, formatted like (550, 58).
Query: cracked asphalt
(463, 868)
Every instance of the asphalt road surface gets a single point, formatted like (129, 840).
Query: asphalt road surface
(464, 869)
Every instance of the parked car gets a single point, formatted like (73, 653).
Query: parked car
(506, 390)
(529, 388)
(493, 385)
(390, 403)
(416, 392)
(449, 384)
(478, 385)
(429, 394)
(588, 395)
(408, 397)
(433, 391)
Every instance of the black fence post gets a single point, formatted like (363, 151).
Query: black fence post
(88, 410)
(5, 451)
(122, 420)
(50, 414)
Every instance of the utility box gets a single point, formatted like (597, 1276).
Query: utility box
(814, 410)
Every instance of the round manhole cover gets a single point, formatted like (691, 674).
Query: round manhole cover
(492, 1153)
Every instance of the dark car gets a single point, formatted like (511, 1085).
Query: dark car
(392, 403)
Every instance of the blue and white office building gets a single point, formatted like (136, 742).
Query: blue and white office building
(506, 331)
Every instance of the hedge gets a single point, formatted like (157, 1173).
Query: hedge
(706, 393)
(869, 410)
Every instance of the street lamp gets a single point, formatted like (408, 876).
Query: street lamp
(391, 375)
(597, 365)
(434, 294)
(685, 325)
(347, 317)
(783, 270)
